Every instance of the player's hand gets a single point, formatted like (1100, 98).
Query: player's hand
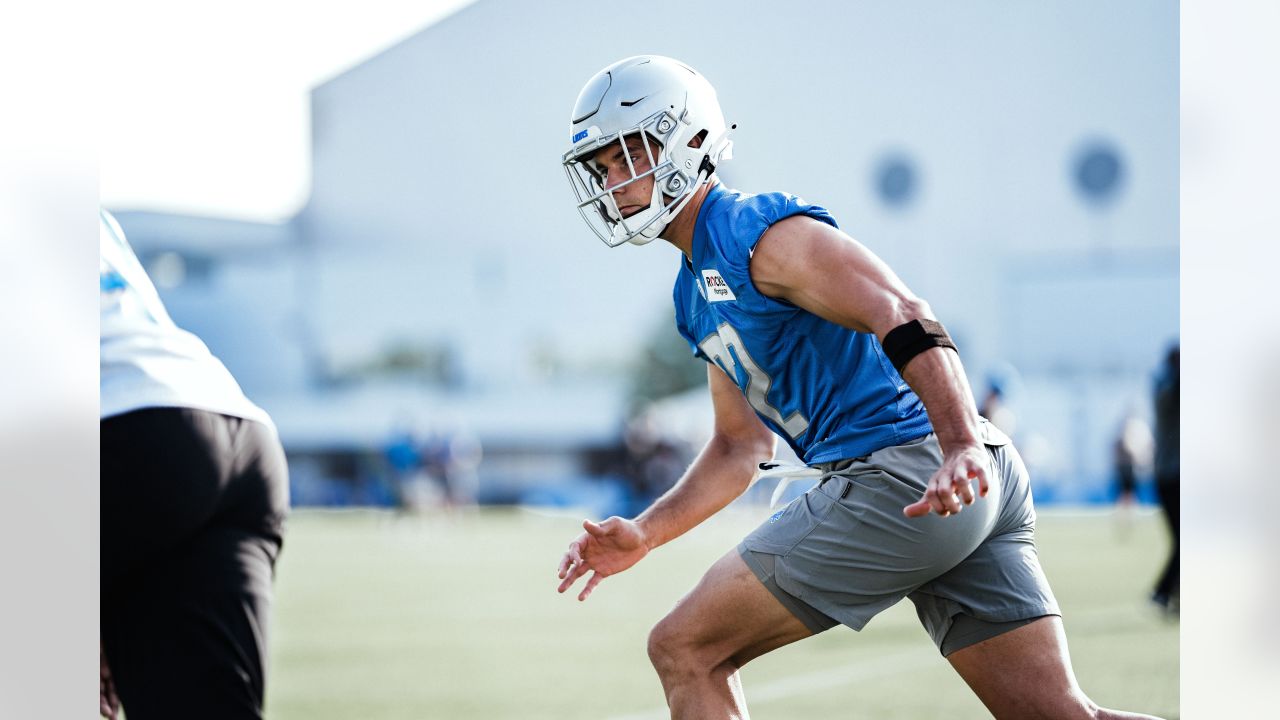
(108, 702)
(952, 484)
(605, 549)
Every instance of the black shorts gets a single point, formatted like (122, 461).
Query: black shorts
(193, 511)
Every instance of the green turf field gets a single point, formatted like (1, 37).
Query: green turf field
(379, 616)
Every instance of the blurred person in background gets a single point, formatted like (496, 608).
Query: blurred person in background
(995, 407)
(453, 457)
(1130, 457)
(809, 336)
(1167, 400)
(194, 492)
(652, 462)
(414, 488)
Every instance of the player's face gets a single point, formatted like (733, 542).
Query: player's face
(612, 168)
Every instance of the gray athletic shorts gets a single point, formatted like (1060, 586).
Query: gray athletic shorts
(844, 551)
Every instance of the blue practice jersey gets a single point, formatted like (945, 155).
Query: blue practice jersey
(827, 390)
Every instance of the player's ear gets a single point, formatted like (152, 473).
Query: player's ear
(697, 140)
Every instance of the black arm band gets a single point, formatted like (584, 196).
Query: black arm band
(912, 338)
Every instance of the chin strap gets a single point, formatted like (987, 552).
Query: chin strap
(707, 166)
(706, 169)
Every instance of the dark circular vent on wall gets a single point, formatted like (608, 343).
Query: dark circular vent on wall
(896, 180)
(1098, 171)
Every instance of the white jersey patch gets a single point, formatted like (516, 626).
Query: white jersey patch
(717, 289)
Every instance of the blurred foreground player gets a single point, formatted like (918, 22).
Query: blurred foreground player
(194, 497)
(807, 334)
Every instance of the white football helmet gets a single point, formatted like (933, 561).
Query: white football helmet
(667, 104)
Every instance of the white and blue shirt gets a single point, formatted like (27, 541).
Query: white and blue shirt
(829, 391)
(146, 360)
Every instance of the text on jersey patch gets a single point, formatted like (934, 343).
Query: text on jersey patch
(717, 289)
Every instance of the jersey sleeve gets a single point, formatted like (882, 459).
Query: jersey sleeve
(734, 239)
(760, 212)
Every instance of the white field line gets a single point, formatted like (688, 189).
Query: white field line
(821, 680)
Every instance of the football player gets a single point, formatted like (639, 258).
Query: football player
(808, 336)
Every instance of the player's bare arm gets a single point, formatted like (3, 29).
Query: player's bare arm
(821, 269)
(721, 472)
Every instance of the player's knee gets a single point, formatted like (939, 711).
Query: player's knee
(661, 648)
(669, 649)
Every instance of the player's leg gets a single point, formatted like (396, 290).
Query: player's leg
(201, 498)
(189, 640)
(1025, 674)
(728, 619)
(995, 618)
(841, 547)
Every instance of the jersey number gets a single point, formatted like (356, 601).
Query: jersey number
(725, 347)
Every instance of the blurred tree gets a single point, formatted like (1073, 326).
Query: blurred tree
(427, 362)
(666, 366)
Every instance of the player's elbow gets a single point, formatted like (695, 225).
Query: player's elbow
(757, 446)
(901, 309)
(745, 449)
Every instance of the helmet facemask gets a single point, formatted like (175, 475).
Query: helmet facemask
(672, 187)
